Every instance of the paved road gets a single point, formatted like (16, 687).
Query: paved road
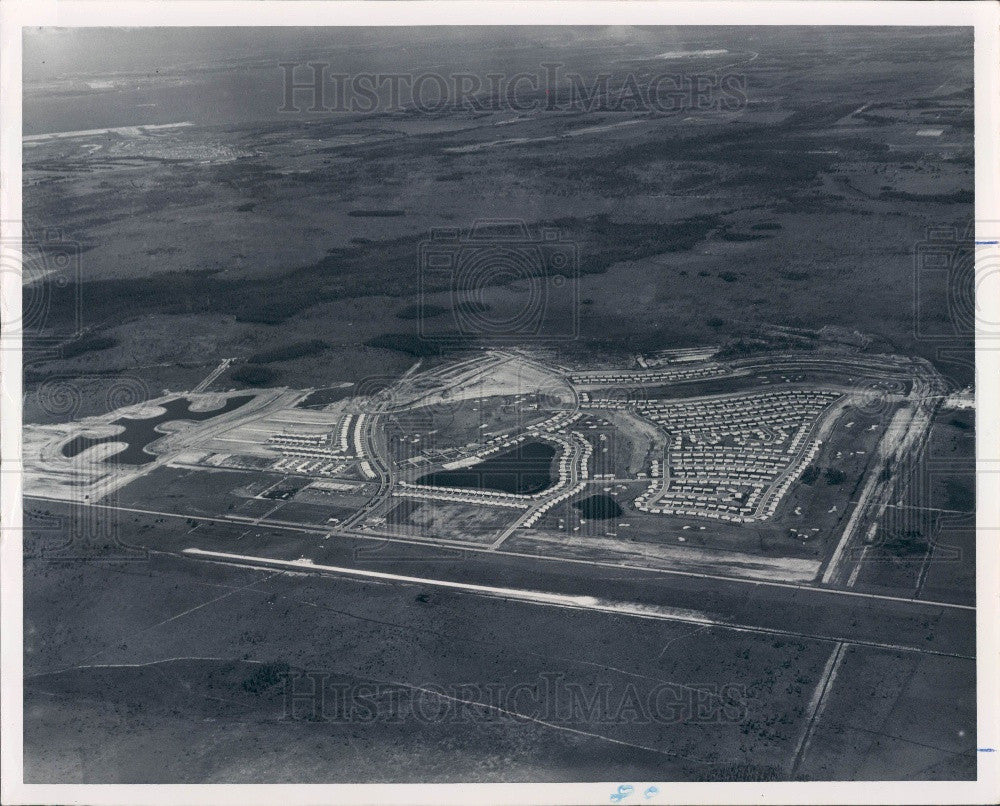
(215, 373)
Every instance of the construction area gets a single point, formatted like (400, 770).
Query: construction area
(767, 467)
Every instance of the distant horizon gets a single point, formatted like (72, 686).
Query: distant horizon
(220, 76)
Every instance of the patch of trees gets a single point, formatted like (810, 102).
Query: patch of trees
(473, 307)
(831, 474)
(419, 347)
(726, 233)
(421, 311)
(386, 267)
(834, 476)
(960, 496)
(87, 344)
(254, 375)
(958, 197)
(376, 213)
(905, 544)
(287, 352)
(265, 676)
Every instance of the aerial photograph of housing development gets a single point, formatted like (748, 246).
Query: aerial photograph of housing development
(509, 404)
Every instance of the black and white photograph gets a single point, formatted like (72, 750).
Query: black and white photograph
(596, 397)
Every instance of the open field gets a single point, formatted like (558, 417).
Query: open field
(914, 697)
(662, 214)
(925, 543)
(431, 637)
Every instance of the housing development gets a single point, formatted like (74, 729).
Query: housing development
(508, 449)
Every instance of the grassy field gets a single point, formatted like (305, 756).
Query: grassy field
(361, 634)
(925, 544)
(139, 652)
(881, 696)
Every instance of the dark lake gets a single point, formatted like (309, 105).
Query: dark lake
(524, 470)
(599, 507)
(139, 433)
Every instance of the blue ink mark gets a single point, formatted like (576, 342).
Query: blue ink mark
(651, 792)
(987, 243)
(987, 749)
(624, 790)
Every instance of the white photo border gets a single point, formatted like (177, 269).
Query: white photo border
(982, 15)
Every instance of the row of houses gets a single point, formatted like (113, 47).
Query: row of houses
(546, 428)
(586, 402)
(321, 445)
(557, 422)
(535, 516)
(750, 422)
(343, 433)
(693, 503)
(324, 454)
(678, 356)
(688, 463)
(299, 440)
(736, 414)
(665, 375)
(565, 476)
(733, 458)
(485, 450)
(774, 494)
(496, 498)
(358, 430)
(742, 494)
(309, 467)
(407, 490)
